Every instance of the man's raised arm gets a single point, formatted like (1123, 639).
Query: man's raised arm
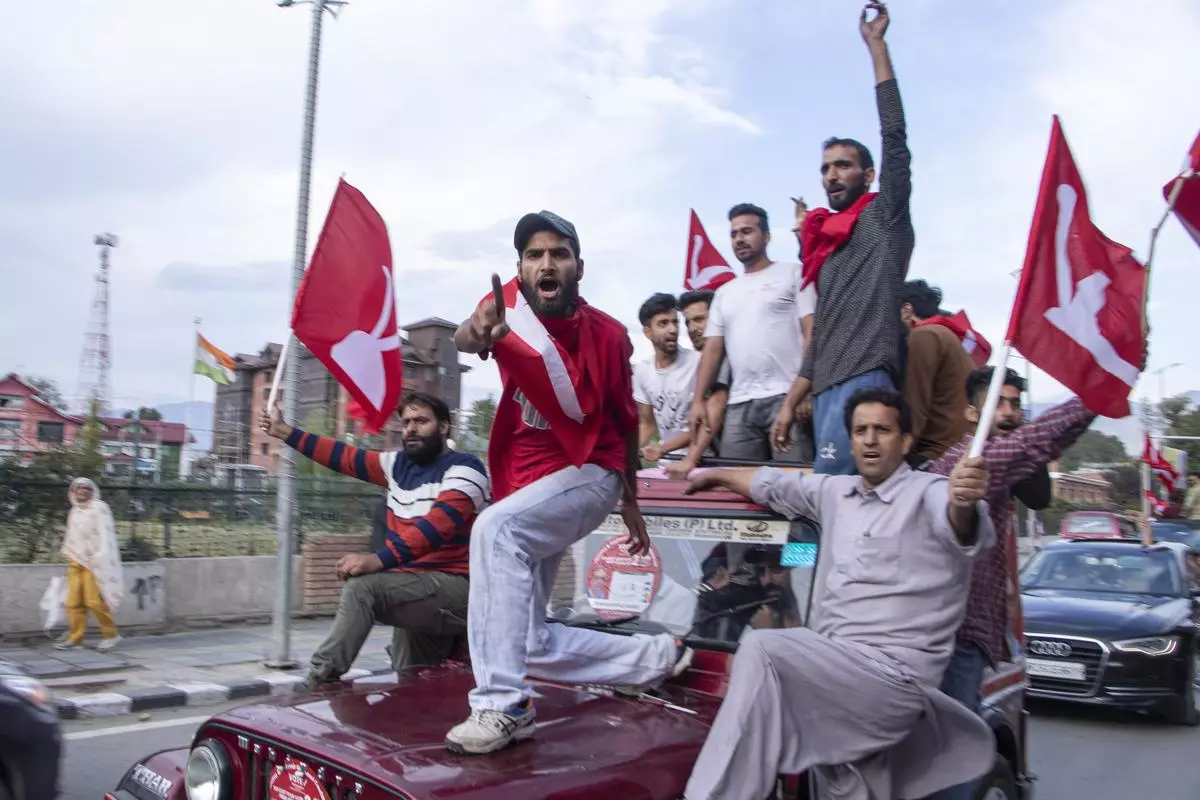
(366, 465)
(895, 166)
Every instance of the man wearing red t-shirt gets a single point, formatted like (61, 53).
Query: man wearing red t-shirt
(547, 499)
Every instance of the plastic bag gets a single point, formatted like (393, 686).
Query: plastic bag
(54, 604)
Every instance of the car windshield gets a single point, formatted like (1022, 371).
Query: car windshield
(1141, 571)
(711, 574)
(1091, 523)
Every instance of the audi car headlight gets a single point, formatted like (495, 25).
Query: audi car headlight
(208, 775)
(1150, 646)
(32, 690)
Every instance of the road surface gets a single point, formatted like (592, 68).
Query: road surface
(1076, 753)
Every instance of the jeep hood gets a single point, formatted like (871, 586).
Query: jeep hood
(392, 733)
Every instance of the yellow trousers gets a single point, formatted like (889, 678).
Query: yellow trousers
(83, 595)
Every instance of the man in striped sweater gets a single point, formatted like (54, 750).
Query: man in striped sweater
(417, 581)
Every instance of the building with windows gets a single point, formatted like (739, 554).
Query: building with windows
(1083, 486)
(29, 424)
(430, 365)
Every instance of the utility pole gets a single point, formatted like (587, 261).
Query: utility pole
(281, 656)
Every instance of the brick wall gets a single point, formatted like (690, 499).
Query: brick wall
(322, 588)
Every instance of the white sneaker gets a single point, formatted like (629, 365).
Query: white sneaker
(489, 731)
(108, 644)
(682, 662)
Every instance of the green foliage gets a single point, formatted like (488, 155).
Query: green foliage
(1126, 487)
(145, 413)
(1183, 419)
(89, 461)
(481, 416)
(1093, 447)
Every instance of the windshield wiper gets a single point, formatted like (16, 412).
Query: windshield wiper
(728, 612)
(612, 623)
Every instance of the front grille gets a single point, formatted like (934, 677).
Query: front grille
(1089, 652)
(259, 757)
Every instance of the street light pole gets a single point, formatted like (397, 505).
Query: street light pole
(281, 656)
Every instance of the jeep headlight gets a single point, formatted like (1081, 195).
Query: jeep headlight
(1150, 646)
(208, 775)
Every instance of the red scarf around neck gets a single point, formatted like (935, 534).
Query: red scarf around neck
(824, 232)
(976, 346)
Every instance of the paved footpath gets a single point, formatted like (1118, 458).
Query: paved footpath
(196, 667)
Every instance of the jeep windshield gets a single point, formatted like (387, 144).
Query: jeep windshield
(718, 567)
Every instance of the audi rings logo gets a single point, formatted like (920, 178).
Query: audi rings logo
(1056, 649)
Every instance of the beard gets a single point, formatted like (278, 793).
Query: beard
(850, 194)
(560, 307)
(1007, 426)
(424, 449)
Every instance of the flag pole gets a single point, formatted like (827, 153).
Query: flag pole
(186, 466)
(987, 414)
(1172, 198)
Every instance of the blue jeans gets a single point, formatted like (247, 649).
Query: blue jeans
(963, 680)
(831, 440)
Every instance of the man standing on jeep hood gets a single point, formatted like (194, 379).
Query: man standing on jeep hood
(545, 501)
(854, 697)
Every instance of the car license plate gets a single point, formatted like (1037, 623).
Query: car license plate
(1067, 670)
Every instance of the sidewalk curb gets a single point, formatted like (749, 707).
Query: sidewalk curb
(176, 695)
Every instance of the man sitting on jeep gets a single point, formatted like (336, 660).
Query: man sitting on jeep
(854, 697)
(417, 581)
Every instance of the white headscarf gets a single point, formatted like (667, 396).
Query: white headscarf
(91, 542)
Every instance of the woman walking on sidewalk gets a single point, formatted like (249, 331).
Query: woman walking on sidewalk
(93, 566)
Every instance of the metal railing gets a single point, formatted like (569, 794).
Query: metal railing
(182, 520)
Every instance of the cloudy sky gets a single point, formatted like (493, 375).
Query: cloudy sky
(177, 126)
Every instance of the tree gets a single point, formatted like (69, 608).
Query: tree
(146, 414)
(1126, 483)
(47, 389)
(1093, 447)
(1183, 419)
(89, 461)
(483, 412)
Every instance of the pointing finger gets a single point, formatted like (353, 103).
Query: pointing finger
(498, 296)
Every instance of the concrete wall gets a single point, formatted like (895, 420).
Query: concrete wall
(158, 594)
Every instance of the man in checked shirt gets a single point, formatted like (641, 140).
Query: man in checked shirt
(1012, 455)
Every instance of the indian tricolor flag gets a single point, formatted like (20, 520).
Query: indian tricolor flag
(213, 363)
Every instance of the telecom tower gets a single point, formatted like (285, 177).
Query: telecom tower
(95, 361)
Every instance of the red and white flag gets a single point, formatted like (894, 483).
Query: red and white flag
(1078, 311)
(1159, 465)
(1157, 505)
(546, 375)
(977, 347)
(345, 309)
(706, 267)
(1186, 191)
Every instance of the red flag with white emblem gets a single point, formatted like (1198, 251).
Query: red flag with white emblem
(1078, 311)
(345, 311)
(706, 267)
(1163, 469)
(1183, 192)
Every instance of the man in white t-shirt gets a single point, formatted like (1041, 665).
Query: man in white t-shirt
(663, 386)
(760, 322)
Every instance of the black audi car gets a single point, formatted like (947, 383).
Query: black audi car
(1112, 622)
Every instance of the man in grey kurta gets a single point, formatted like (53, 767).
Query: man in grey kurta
(855, 696)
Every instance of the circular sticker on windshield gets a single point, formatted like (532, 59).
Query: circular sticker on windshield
(295, 781)
(622, 585)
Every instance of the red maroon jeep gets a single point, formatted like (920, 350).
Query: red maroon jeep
(719, 566)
